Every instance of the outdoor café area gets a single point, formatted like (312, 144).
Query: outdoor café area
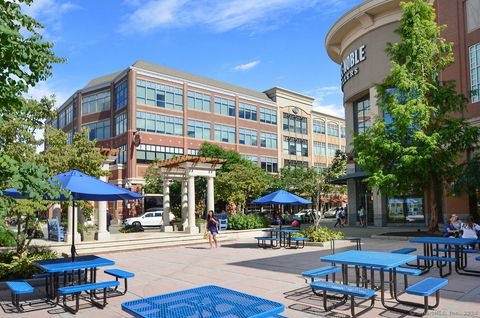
(389, 278)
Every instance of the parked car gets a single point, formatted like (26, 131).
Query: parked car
(153, 217)
(306, 215)
(330, 213)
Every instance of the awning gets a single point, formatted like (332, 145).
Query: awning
(348, 176)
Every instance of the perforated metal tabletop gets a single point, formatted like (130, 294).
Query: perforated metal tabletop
(206, 301)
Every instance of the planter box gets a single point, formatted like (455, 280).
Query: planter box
(88, 236)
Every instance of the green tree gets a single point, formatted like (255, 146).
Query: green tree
(214, 151)
(241, 184)
(419, 147)
(82, 154)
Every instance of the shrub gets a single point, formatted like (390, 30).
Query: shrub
(6, 238)
(321, 234)
(131, 229)
(14, 266)
(246, 222)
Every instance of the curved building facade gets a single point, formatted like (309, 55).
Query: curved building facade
(357, 42)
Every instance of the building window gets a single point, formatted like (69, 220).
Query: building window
(332, 150)
(199, 129)
(362, 116)
(99, 130)
(247, 111)
(251, 158)
(406, 209)
(295, 124)
(69, 137)
(268, 140)
(268, 116)
(342, 132)
(150, 153)
(224, 106)
(475, 72)
(473, 16)
(295, 146)
(122, 155)
(192, 152)
(199, 101)
(159, 124)
(333, 129)
(269, 164)
(319, 127)
(224, 133)
(121, 95)
(295, 163)
(61, 120)
(153, 94)
(342, 149)
(320, 166)
(319, 148)
(96, 103)
(120, 124)
(247, 137)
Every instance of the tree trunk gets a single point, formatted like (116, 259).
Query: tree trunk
(436, 192)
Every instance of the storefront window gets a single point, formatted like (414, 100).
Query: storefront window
(362, 115)
(407, 209)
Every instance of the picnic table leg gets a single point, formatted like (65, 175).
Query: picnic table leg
(458, 264)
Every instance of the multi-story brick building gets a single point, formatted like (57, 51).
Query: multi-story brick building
(150, 112)
(357, 41)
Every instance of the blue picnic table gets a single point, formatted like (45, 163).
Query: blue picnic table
(57, 266)
(206, 301)
(284, 235)
(450, 244)
(371, 260)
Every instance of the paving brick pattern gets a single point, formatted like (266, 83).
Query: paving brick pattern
(241, 265)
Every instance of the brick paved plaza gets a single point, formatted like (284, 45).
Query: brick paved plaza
(240, 265)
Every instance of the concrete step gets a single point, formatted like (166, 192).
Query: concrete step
(137, 243)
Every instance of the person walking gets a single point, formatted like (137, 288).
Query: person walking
(361, 215)
(343, 220)
(212, 228)
(109, 220)
(338, 217)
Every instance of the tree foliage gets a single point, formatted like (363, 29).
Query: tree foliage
(416, 145)
(241, 184)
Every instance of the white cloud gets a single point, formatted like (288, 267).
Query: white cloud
(220, 16)
(328, 100)
(49, 11)
(246, 66)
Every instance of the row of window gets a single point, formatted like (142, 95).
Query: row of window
(96, 102)
(152, 94)
(295, 124)
(295, 146)
(121, 95)
(150, 153)
(475, 72)
(160, 124)
(65, 117)
(333, 130)
(99, 130)
(121, 124)
(247, 111)
(199, 101)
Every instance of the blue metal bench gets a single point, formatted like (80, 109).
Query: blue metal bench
(439, 259)
(55, 230)
(346, 290)
(425, 288)
(19, 288)
(222, 221)
(118, 273)
(321, 272)
(405, 250)
(90, 288)
(299, 239)
(264, 241)
(477, 258)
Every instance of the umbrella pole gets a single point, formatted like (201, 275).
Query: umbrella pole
(73, 251)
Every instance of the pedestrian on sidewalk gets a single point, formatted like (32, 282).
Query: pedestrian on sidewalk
(343, 217)
(338, 217)
(212, 227)
(361, 215)
(109, 221)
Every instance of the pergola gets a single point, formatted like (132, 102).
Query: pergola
(185, 169)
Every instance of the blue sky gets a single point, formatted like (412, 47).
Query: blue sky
(252, 43)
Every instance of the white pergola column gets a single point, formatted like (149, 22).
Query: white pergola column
(166, 206)
(210, 195)
(102, 233)
(192, 228)
(184, 204)
(69, 225)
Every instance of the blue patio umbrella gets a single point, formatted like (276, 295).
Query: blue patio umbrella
(83, 187)
(281, 197)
